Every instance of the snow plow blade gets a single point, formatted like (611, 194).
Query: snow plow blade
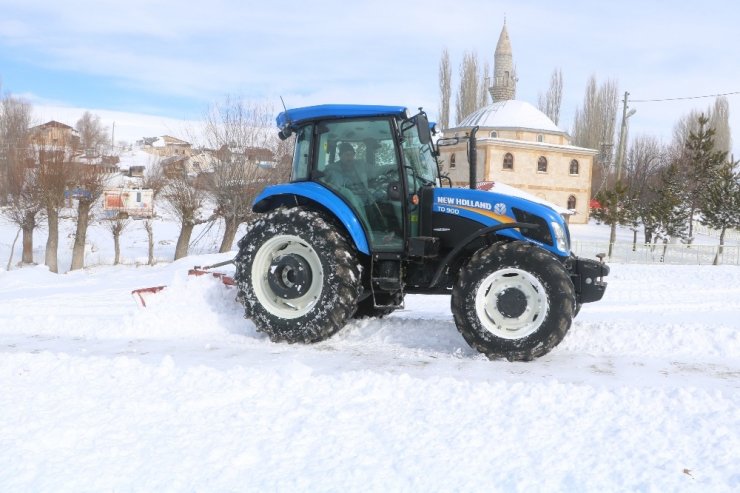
(141, 295)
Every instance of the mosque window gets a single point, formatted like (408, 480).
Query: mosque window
(540, 138)
(574, 167)
(542, 164)
(572, 202)
(508, 161)
(452, 160)
(494, 134)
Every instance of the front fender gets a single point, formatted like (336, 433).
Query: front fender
(277, 195)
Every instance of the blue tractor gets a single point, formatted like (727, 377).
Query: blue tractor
(365, 220)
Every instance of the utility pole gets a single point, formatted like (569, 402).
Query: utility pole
(622, 136)
(620, 163)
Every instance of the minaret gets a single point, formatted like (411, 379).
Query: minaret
(504, 77)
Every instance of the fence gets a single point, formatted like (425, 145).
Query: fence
(656, 253)
(730, 234)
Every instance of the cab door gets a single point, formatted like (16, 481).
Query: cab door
(367, 182)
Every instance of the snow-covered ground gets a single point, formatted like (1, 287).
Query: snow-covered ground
(98, 394)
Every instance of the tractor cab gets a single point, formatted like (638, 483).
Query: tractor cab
(374, 158)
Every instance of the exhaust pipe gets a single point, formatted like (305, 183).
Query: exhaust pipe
(473, 159)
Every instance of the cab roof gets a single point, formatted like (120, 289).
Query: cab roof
(296, 116)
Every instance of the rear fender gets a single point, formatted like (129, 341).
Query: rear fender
(288, 194)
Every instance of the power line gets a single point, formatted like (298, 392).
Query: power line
(679, 99)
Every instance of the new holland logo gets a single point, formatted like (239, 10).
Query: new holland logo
(500, 208)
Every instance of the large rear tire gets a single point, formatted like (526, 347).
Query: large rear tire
(513, 300)
(297, 276)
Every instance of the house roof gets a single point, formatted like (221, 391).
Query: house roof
(166, 140)
(52, 124)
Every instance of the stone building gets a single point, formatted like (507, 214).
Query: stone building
(520, 146)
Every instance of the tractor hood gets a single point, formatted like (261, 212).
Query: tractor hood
(480, 204)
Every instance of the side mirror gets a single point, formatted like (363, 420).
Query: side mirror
(422, 125)
(448, 141)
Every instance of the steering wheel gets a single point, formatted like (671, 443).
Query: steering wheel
(383, 181)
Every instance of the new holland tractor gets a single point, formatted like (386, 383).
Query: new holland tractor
(365, 221)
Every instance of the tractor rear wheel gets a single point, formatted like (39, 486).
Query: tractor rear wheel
(513, 300)
(297, 276)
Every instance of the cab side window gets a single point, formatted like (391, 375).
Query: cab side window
(302, 154)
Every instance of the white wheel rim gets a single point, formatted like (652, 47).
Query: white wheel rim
(271, 250)
(501, 325)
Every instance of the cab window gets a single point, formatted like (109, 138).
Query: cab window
(302, 154)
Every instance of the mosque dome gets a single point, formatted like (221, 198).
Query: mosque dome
(510, 114)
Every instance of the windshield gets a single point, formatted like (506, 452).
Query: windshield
(418, 157)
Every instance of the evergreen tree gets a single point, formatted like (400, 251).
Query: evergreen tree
(670, 209)
(702, 163)
(721, 205)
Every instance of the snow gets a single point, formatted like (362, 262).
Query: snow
(501, 187)
(137, 157)
(98, 394)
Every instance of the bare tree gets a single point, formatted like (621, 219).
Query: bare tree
(117, 225)
(549, 103)
(719, 120)
(24, 210)
(445, 89)
(89, 182)
(685, 125)
(483, 94)
(53, 175)
(12, 249)
(646, 158)
(93, 135)
(244, 164)
(594, 125)
(19, 179)
(717, 115)
(14, 122)
(185, 201)
(154, 180)
(468, 94)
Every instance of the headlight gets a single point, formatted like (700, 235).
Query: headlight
(561, 242)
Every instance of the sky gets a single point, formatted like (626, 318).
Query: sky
(155, 67)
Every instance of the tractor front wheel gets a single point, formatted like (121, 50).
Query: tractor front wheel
(513, 300)
(297, 276)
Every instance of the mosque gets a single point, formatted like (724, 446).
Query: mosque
(518, 145)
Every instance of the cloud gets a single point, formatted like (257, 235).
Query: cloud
(192, 53)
